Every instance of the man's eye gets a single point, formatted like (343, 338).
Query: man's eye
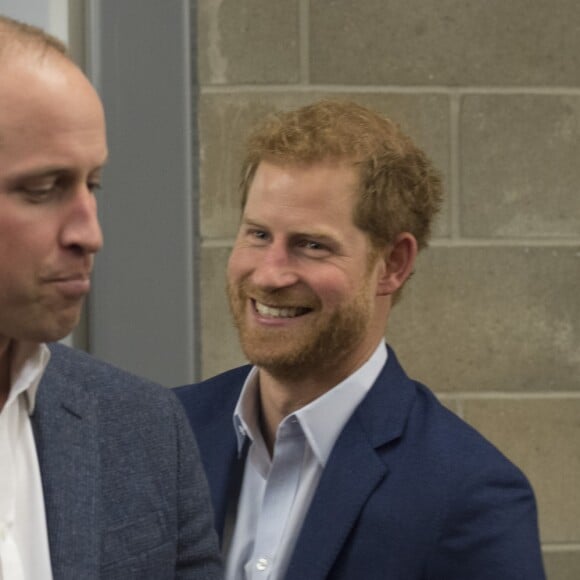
(257, 234)
(312, 245)
(37, 194)
(94, 187)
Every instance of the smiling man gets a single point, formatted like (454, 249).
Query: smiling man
(99, 473)
(324, 459)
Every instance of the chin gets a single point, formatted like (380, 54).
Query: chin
(57, 330)
(281, 362)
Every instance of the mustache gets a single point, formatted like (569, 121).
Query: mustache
(276, 297)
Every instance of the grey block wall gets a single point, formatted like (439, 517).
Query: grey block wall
(491, 90)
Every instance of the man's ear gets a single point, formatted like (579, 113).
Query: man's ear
(399, 261)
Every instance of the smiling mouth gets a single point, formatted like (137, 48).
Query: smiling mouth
(276, 312)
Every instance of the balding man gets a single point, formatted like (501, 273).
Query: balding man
(99, 473)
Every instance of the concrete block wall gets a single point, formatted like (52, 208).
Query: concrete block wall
(491, 90)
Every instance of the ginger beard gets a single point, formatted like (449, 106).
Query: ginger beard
(320, 341)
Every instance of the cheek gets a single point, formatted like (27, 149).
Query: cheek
(338, 288)
(18, 262)
(13, 236)
(332, 288)
(27, 229)
(239, 264)
(25, 241)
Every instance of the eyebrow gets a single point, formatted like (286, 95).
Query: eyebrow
(315, 234)
(48, 171)
(249, 222)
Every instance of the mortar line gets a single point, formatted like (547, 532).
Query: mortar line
(394, 89)
(560, 547)
(455, 168)
(501, 242)
(304, 40)
(507, 396)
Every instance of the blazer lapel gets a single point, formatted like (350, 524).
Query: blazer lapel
(224, 475)
(65, 424)
(214, 432)
(352, 472)
(354, 469)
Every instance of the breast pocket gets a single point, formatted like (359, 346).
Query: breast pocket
(142, 548)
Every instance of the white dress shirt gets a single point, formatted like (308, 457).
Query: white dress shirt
(24, 552)
(276, 492)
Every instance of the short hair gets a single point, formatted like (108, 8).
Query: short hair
(400, 190)
(17, 37)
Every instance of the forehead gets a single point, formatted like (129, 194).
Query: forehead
(47, 101)
(313, 200)
(324, 185)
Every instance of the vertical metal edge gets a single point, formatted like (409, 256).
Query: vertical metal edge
(191, 147)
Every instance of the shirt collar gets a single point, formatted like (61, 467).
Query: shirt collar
(28, 363)
(323, 419)
(246, 421)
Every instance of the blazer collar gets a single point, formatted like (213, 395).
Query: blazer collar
(354, 470)
(384, 412)
(214, 431)
(65, 423)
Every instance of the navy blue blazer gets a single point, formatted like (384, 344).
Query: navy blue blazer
(410, 491)
(124, 490)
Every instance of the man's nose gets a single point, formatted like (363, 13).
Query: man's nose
(81, 229)
(275, 268)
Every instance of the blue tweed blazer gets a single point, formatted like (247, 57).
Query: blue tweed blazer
(123, 485)
(410, 491)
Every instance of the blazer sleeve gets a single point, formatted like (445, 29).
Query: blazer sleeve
(198, 553)
(491, 532)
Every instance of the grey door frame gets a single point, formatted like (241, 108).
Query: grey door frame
(142, 313)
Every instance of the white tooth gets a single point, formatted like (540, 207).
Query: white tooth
(276, 312)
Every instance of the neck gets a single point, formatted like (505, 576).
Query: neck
(281, 396)
(4, 371)
(284, 391)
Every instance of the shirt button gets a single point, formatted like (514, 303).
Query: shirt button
(262, 564)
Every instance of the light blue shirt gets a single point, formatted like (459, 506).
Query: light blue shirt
(276, 492)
